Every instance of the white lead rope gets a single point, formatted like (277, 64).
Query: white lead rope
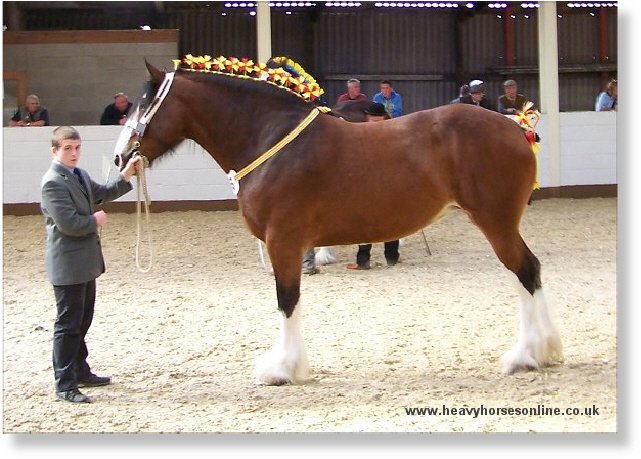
(141, 182)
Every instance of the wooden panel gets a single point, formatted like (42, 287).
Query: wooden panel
(90, 36)
(21, 79)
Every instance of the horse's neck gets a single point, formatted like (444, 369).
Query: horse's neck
(236, 126)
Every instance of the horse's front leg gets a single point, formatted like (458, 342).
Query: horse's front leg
(286, 362)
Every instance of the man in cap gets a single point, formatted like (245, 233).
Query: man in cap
(511, 103)
(477, 95)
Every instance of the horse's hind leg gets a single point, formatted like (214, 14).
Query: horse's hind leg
(539, 343)
(286, 362)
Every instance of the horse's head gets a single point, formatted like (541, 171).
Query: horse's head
(151, 127)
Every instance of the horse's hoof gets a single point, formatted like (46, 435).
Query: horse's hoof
(510, 369)
(273, 381)
(518, 360)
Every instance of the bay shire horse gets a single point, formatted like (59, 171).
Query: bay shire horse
(326, 182)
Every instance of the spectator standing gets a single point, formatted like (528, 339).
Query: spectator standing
(353, 92)
(375, 112)
(31, 114)
(391, 100)
(116, 113)
(607, 100)
(511, 103)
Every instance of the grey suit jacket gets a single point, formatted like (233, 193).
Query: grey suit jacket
(73, 254)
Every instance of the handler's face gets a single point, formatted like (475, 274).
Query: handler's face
(68, 153)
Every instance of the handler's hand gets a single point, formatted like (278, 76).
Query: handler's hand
(134, 165)
(101, 217)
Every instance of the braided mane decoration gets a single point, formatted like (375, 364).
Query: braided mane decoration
(290, 76)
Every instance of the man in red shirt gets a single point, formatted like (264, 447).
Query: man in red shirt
(353, 92)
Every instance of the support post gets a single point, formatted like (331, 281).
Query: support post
(549, 87)
(263, 31)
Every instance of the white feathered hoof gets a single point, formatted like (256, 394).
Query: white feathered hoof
(277, 367)
(325, 256)
(539, 344)
(533, 354)
(519, 358)
(286, 362)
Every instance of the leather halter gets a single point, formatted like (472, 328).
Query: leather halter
(138, 124)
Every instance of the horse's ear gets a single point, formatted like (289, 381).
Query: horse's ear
(156, 74)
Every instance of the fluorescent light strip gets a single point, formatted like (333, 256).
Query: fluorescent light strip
(418, 5)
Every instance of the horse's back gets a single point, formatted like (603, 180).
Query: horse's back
(475, 141)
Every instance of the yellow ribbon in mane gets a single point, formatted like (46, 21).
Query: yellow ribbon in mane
(304, 85)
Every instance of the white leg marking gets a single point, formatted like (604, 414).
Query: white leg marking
(325, 256)
(286, 362)
(539, 343)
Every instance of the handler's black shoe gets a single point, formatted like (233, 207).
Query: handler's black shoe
(73, 396)
(93, 380)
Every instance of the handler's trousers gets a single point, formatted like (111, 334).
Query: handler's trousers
(75, 306)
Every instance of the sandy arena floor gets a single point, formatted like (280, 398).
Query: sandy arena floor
(180, 341)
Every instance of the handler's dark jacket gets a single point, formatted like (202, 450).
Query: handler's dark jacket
(73, 254)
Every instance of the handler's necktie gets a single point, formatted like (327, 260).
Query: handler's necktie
(80, 179)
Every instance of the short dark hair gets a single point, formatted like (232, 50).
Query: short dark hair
(387, 82)
(62, 133)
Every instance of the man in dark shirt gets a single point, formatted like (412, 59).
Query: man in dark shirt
(116, 113)
(31, 114)
(511, 103)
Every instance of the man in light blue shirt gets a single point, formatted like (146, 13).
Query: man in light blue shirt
(390, 99)
(607, 100)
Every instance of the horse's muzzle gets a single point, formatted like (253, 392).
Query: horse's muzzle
(121, 160)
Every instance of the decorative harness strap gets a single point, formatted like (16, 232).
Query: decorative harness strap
(234, 177)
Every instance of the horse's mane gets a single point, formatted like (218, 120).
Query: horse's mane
(280, 72)
(147, 96)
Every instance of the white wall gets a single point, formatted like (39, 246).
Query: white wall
(189, 174)
(588, 157)
(588, 150)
